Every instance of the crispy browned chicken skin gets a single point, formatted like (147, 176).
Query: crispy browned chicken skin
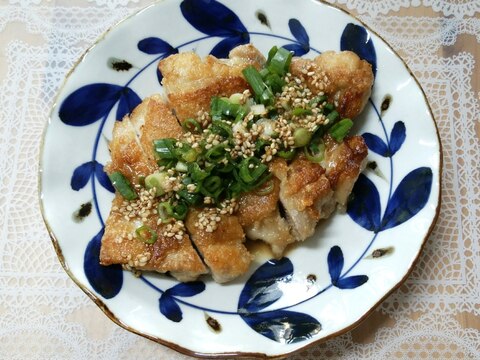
(307, 191)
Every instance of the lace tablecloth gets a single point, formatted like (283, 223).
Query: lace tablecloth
(435, 314)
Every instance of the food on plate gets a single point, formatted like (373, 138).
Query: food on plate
(245, 147)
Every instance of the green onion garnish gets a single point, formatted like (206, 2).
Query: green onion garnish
(255, 81)
(165, 211)
(216, 153)
(146, 234)
(301, 137)
(280, 62)
(288, 155)
(190, 198)
(340, 129)
(186, 153)
(328, 108)
(156, 180)
(212, 184)
(301, 111)
(266, 189)
(221, 128)
(275, 82)
(192, 125)
(332, 118)
(318, 100)
(197, 173)
(250, 169)
(271, 54)
(180, 211)
(120, 182)
(165, 148)
(315, 152)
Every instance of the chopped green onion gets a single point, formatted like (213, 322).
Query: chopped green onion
(181, 167)
(255, 81)
(271, 54)
(190, 198)
(165, 211)
(197, 173)
(288, 155)
(235, 98)
(225, 168)
(250, 169)
(332, 117)
(301, 137)
(223, 106)
(275, 82)
(264, 73)
(146, 234)
(190, 156)
(180, 211)
(328, 108)
(165, 148)
(192, 126)
(156, 180)
(301, 111)
(167, 163)
(260, 145)
(267, 97)
(120, 182)
(340, 129)
(280, 62)
(215, 154)
(315, 152)
(266, 189)
(318, 100)
(221, 128)
(212, 183)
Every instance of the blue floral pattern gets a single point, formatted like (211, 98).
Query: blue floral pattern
(256, 303)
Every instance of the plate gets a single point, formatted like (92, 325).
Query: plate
(322, 287)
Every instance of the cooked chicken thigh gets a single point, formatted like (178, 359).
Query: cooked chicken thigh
(191, 82)
(260, 217)
(349, 79)
(306, 191)
(132, 154)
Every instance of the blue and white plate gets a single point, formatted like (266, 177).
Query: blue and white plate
(322, 287)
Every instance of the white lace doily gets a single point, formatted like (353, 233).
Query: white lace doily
(43, 315)
(457, 8)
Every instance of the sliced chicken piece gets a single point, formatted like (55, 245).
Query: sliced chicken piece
(305, 194)
(350, 79)
(191, 81)
(132, 154)
(167, 254)
(344, 162)
(260, 217)
(153, 119)
(222, 250)
(127, 153)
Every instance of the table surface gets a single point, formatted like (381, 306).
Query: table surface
(435, 314)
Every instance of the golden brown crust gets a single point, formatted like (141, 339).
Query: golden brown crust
(344, 163)
(154, 119)
(127, 154)
(189, 104)
(167, 254)
(222, 250)
(260, 217)
(191, 82)
(253, 207)
(305, 193)
(350, 79)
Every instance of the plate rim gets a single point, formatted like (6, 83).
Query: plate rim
(238, 354)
